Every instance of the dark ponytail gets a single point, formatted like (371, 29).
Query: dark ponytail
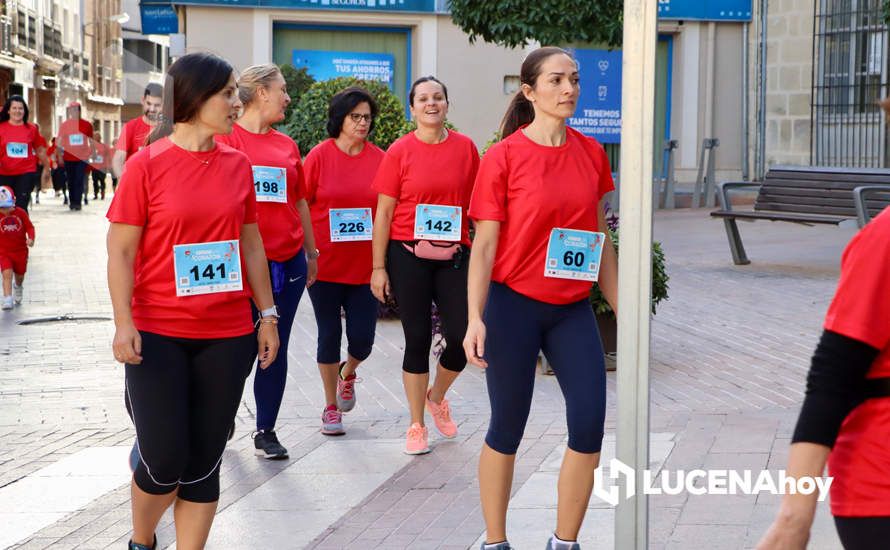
(190, 82)
(521, 111)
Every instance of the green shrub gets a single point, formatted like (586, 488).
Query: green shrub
(298, 82)
(308, 122)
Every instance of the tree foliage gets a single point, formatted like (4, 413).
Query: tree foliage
(307, 125)
(298, 82)
(514, 23)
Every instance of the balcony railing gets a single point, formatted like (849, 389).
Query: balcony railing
(5, 34)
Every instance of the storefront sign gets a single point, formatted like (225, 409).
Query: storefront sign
(705, 10)
(363, 5)
(159, 19)
(325, 65)
(599, 110)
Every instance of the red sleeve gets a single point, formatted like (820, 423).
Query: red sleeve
(39, 140)
(389, 176)
(474, 171)
(861, 306)
(310, 174)
(26, 221)
(601, 160)
(489, 200)
(88, 129)
(301, 176)
(123, 139)
(130, 203)
(250, 204)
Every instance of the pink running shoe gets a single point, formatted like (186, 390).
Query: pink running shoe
(441, 417)
(416, 441)
(332, 421)
(346, 393)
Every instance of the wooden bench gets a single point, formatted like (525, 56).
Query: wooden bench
(806, 195)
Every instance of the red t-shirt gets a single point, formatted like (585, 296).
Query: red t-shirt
(279, 221)
(101, 160)
(532, 189)
(860, 459)
(415, 173)
(74, 138)
(177, 199)
(18, 144)
(133, 136)
(337, 180)
(14, 227)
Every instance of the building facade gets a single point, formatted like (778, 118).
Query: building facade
(103, 46)
(145, 59)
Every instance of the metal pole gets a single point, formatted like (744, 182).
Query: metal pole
(746, 97)
(635, 263)
(760, 168)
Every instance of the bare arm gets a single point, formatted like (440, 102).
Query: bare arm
(608, 277)
(791, 528)
(485, 246)
(122, 244)
(258, 278)
(386, 205)
(117, 163)
(308, 241)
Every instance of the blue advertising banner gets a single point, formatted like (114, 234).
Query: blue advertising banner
(158, 19)
(599, 110)
(325, 65)
(705, 10)
(363, 5)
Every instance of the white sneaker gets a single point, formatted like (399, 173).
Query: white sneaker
(17, 293)
(7, 302)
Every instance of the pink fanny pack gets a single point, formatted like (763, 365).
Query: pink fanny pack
(433, 250)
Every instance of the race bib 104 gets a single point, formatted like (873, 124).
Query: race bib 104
(574, 254)
(270, 183)
(207, 268)
(434, 222)
(350, 224)
(17, 150)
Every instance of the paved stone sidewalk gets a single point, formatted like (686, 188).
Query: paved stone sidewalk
(729, 355)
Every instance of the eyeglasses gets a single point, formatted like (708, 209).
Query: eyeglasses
(356, 117)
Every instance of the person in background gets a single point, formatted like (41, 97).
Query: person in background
(135, 132)
(57, 170)
(100, 164)
(76, 140)
(21, 145)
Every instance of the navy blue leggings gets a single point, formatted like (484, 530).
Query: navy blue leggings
(76, 174)
(517, 328)
(268, 384)
(361, 319)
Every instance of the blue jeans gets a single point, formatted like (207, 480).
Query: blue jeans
(76, 173)
(268, 384)
(517, 328)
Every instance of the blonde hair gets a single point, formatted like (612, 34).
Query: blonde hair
(254, 77)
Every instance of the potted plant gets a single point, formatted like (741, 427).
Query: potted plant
(605, 317)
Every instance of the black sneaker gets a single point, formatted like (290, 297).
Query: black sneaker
(133, 546)
(267, 445)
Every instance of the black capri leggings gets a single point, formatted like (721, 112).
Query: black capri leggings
(182, 399)
(863, 533)
(416, 284)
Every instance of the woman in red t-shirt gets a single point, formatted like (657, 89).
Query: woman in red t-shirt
(339, 172)
(185, 256)
(20, 147)
(285, 225)
(845, 417)
(421, 243)
(541, 241)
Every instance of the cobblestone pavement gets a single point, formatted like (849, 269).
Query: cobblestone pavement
(730, 351)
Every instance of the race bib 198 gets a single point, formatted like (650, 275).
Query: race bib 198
(350, 224)
(574, 254)
(270, 183)
(207, 268)
(434, 222)
(17, 150)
